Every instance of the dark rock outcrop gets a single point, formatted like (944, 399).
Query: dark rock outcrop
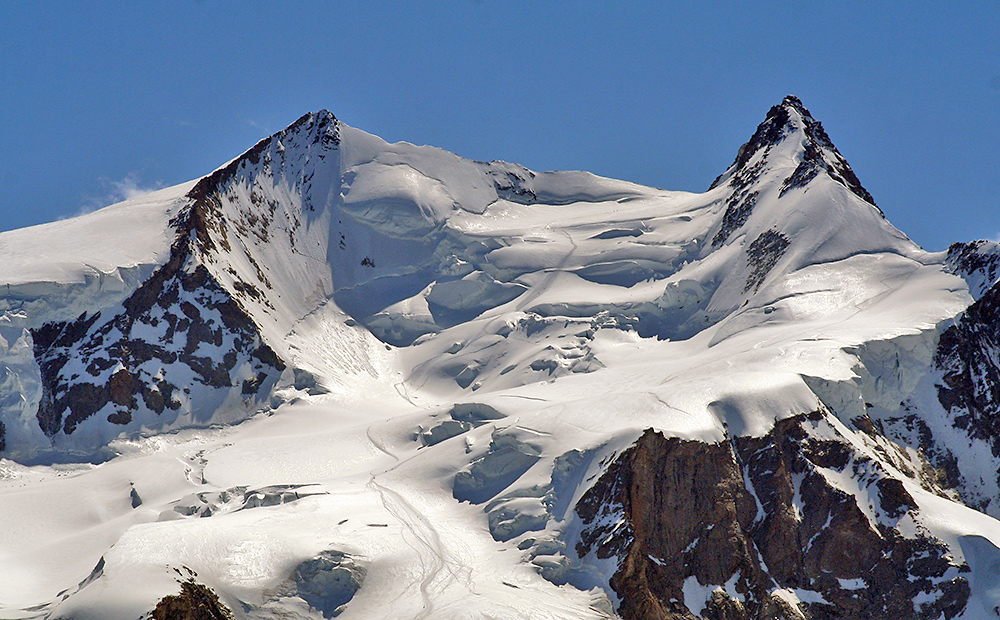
(195, 602)
(773, 130)
(749, 522)
(976, 261)
(762, 255)
(510, 181)
(179, 327)
(967, 363)
(967, 355)
(814, 160)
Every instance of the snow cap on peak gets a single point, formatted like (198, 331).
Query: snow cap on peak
(814, 151)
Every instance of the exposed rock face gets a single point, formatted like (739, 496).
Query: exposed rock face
(798, 523)
(814, 160)
(182, 342)
(743, 198)
(762, 255)
(967, 354)
(209, 221)
(179, 328)
(510, 181)
(969, 390)
(760, 528)
(976, 261)
(195, 602)
(966, 380)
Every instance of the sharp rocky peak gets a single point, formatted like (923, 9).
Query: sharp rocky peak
(311, 128)
(814, 151)
(285, 153)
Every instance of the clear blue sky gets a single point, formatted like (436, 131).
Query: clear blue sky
(100, 98)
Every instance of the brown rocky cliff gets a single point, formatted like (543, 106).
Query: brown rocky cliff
(752, 520)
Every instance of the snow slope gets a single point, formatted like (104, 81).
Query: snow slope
(441, 364)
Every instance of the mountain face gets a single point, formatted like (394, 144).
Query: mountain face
(341, 377)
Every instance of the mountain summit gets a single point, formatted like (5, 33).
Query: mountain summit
(342, 377)
(811, 149)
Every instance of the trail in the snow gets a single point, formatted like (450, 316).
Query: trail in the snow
(423, 539)
(438, 570)
(379, 443)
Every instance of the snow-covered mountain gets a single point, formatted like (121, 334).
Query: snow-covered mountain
(341, 377)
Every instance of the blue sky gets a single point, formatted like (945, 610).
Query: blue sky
(101, 99)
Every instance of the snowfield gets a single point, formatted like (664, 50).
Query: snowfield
(340, 377)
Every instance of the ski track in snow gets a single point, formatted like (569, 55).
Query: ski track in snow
(423, 539)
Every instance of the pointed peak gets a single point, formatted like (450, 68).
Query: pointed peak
(784, 119)
(313, 128)
(791, 115)
(787, 152)
(321, 118)
(793, 102)
(813, 149)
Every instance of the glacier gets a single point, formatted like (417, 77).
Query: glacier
(339, 377)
